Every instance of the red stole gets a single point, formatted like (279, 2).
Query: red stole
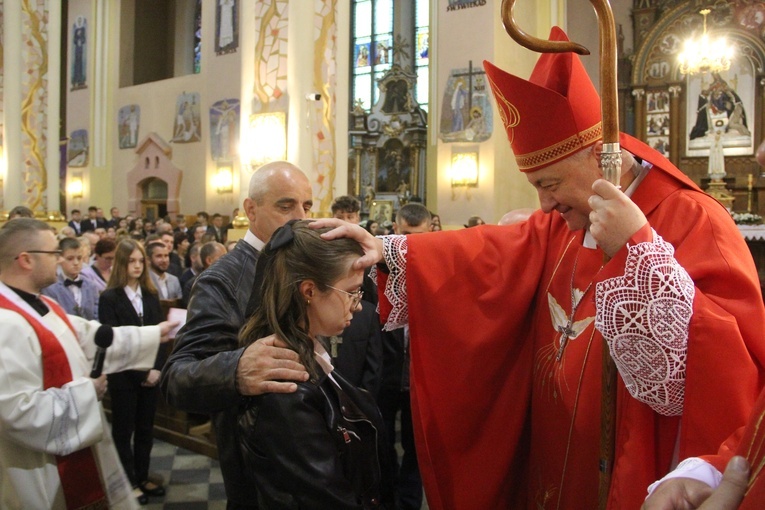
(80, 479)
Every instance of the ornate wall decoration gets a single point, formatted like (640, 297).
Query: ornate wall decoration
(323, 112)
(270, 83)
(34, 102)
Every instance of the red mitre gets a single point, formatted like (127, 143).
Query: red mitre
(553, 114)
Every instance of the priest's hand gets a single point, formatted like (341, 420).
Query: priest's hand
(614, 217)
(100, 384)
(687, 493)
(265, 365)
(165, 328)
(373, 246)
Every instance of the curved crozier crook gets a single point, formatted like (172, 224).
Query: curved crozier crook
(534, 43)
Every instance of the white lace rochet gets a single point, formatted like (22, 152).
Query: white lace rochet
(644, 317)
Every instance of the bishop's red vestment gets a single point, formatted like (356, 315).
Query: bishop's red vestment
(507, 416)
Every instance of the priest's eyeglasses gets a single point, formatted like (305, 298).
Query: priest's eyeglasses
(355, 296)
(57, 253)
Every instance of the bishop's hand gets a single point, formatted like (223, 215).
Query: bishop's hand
(372, 246)
(614, 218)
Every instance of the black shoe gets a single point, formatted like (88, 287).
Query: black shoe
(154, 490)
(142, 498)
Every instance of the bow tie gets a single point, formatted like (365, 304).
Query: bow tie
(68, 282)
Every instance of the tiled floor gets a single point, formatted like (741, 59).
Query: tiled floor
(192, 481)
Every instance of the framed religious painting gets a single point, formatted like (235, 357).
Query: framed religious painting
(381, 211)
(721, 103)
(657, 120)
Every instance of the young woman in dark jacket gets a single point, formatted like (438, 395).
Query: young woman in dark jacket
(130, 299)
(321, 446)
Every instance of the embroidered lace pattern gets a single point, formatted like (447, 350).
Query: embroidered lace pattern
(644, 317)
(394, 254)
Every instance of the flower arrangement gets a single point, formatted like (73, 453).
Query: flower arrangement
(746, 218)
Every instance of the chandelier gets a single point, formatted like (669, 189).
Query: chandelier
(705, 55)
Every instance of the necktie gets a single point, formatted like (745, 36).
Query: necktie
(76, 283)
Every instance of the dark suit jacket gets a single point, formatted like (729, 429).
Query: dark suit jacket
(77, 228)
(115, 309)
(360, 355)
(87, 225)
(221, 238)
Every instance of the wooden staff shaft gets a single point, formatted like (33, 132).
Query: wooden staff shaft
(611, 164)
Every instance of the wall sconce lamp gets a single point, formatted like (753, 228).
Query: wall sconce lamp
(75, 186)
(464, 171)
(224, 179)
(266, 139)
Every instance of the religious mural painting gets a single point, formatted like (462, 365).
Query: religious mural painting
(128, 122)
(466, 113)
(77, 153)
(657, 120)
(188, 126)
(226, 26)
(224, 130)
(721, 102)
(80, 53)
(394, 166)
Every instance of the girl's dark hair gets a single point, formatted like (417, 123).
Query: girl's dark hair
(282, 309)
(119, 277)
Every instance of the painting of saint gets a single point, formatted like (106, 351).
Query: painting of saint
(361, 58)
(723, 102)
(80, 52)
(393, 166)
(466, 113)
(224, 130)
(128, 120)
(77, 154)
(188, 127)
(226, 26)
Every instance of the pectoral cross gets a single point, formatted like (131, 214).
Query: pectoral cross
(566, 332)
(333, 343)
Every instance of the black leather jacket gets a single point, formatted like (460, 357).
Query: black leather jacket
(317, 448)
(200, 374)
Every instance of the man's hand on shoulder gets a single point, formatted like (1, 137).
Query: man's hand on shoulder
(265, 366)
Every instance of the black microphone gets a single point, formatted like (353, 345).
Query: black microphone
(104, 338)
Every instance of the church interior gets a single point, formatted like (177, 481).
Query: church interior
(166, 107)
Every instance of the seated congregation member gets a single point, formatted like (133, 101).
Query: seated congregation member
(56, 450)
(321, 446)
(77, 295)
(131, 300)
